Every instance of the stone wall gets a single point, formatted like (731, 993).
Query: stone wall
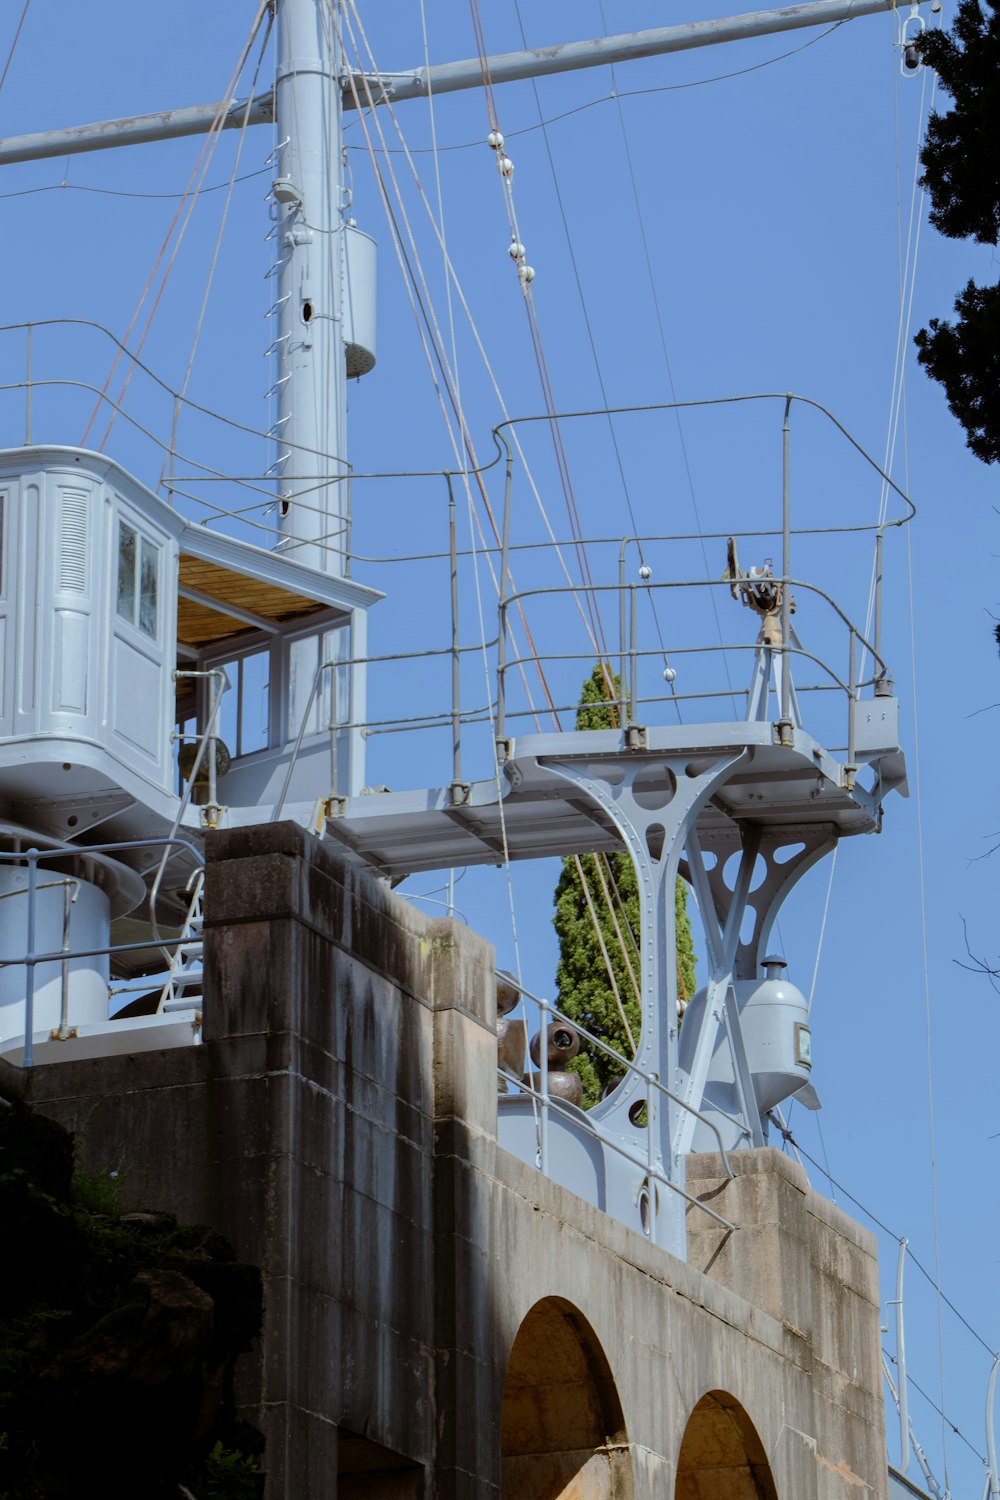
(338, 1125)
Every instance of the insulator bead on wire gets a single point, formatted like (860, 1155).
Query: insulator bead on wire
(515, 250)
(506, 166)
(526, 273)
(669, 674)
(645, 572)
(495, 140)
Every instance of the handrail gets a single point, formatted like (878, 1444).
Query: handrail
(628, 697)
(324, 666)
(657, 1174)
(591, 1126)
(785, 396)
(184, 941)
(631, 1067)
(706, 583)
(32, 958)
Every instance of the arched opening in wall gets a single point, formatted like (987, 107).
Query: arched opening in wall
(562, 1431)
(721, 1456)
(367, 1471)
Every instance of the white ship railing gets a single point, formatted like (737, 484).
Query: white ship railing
(583, 1121)
(31, 957)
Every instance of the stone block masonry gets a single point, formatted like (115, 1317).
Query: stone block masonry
(440, 1320)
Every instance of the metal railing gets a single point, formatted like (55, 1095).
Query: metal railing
(442, 704)
(32, 957)
(583, 1120)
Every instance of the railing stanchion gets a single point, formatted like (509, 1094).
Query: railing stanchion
(501, 718)
(334, 788)
(543, 1063)
(623, 711)
(456, 676)
(651, 1161)
(70, 892)
(878, 602)
(29, 978)
(852, 695)
(27, 392)
(785, 726)
(633, 701)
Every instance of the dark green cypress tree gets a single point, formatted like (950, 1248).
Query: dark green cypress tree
(584, 989)
(961, 162)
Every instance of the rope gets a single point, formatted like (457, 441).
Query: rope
(562, 465)
(643, 240)
(13, 45)
(595, 921)
(385, 103)
(429, 334)
(664, 88)
(921, 884)
(822, 926)
(432, 325)
(202, 164)
(215, 252)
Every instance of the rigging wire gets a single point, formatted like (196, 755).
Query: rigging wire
(933, 1404)
(873, 1218)
(474, 525)
(13, 45)
(922, 888)
(436, 149)
(80, 187)
(429, 334)
(907, 286)
(386, 102)
(586, 890)
(822, 925)
(898, 420)
(602, 864)
(505, 172)
(590, 333)
(215, 252)
(643, 239)
(201, 166)
(666, 88)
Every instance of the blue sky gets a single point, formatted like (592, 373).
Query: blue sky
(775, 208)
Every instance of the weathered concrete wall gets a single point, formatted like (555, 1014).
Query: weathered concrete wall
(338, 1125)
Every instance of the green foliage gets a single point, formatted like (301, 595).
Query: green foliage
(961, 161)
(964, 357)
(97, 1192)
(598, 708)
(584, 990)
(118, 1333)
(231, 1475)
(961, 153)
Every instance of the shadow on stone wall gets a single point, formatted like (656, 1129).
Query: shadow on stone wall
(722, 1456)
(562, 1428)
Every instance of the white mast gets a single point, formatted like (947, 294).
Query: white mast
(311, 377)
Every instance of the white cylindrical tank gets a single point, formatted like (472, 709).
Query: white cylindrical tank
(774, 1020)
(69, 913)
(359, 301)
(776, 1034)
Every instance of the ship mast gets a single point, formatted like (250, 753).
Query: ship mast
(324, 268)
(308, 206)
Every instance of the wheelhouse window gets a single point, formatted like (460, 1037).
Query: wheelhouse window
(244, 721)
(317, 672)
(138, 571)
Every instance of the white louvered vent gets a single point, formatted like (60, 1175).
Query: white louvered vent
(73, 542)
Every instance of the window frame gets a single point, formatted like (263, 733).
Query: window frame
(145, 546)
